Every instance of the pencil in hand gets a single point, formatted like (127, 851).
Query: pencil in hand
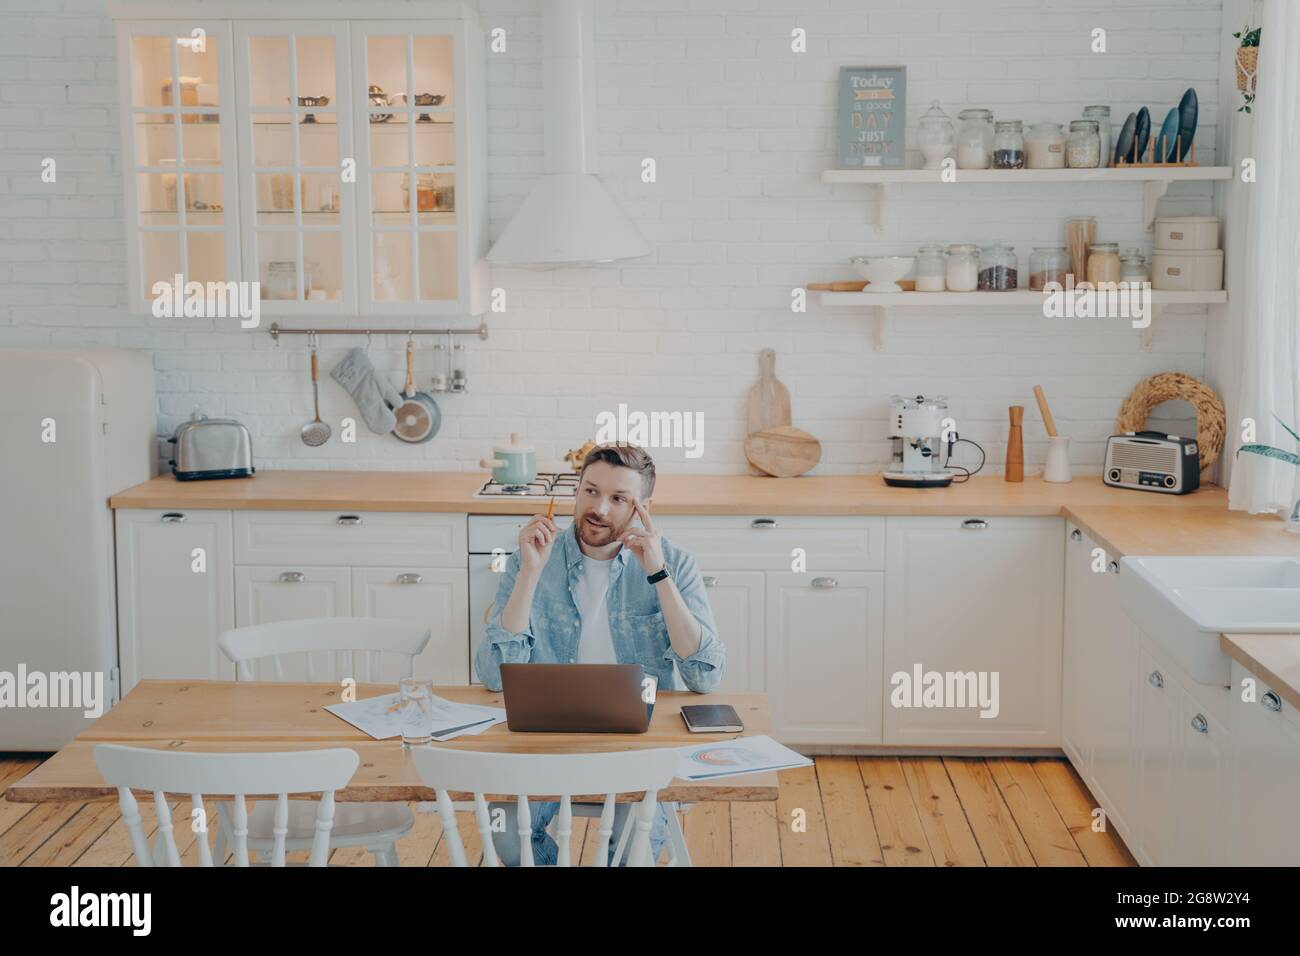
(550, 509)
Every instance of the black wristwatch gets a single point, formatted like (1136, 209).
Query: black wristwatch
(658, 575)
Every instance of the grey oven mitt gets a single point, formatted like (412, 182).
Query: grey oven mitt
(374, 393)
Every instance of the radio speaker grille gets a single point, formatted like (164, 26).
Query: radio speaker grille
(1162, 458)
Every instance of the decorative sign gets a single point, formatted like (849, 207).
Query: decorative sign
(873, 112)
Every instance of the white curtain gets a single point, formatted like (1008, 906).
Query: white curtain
(1270, 292)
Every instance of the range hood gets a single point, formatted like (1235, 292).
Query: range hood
(569, 217)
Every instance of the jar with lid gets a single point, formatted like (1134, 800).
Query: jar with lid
(1008, 144)
(1133, 267)
(935, 135)
(1103, 263)
(962, 273)
(1045, 146)
(282, 280)
(1083, 150)
(1102, 115)
(974, 139)
(999, 268)
(1048, 264)
(931, 268)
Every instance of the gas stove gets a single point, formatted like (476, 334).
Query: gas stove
(547, 484)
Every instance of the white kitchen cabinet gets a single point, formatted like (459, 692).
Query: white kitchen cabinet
(432, 597)
(290, 150)
(736, 598)
(1203, 785)
(1099, 677)
(824, 640)
(975, 596)
(175, 594)
(264, 595)
(1265, 776)
(1157, 757)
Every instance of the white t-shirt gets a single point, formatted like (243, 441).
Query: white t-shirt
(595, 643)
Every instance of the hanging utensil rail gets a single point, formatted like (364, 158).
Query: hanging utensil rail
(275, 331)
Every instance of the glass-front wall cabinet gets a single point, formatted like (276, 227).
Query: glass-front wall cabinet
(326, 160)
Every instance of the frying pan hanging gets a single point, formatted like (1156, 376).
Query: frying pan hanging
(418, 415)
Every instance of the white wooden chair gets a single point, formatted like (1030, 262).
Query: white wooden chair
(333, 648)
(518, 775)
(200, 774)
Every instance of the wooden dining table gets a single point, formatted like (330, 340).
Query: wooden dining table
(248, 716)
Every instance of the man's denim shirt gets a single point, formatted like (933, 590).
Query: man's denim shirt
(636, 621)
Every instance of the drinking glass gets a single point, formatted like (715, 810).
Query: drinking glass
(416, 699)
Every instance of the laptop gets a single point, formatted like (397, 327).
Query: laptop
(575, 698)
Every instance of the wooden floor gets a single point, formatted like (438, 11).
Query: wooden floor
(845, 811)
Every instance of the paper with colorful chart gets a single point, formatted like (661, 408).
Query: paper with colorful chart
(726, 758)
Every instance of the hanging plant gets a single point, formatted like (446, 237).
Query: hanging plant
(1247, 61)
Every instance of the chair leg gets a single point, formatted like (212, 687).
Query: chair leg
(385, 855)
(678, 855)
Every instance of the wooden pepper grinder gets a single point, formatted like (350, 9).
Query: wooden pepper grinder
(1015, 470)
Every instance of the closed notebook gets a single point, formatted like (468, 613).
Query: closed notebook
(712, 719)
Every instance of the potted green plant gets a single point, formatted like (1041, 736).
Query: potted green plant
(1247, 60)
(1268, 451)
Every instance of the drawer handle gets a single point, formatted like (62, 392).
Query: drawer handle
(1272, 702)
(172, 517)
(1200, 724)
(293, 577)
(765, 524)
(1156, 679)
(1076, 535)
(411, 578)
(974, 524)
(349, 519)
(710, 581)
(824, 582)
(1113, 567)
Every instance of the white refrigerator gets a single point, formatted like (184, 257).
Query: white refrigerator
(76, 427)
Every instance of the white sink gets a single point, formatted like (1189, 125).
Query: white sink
(1183, 604)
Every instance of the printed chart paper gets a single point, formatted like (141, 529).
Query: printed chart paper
(729, 758)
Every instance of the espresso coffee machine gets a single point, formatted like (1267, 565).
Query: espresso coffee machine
(921, 448)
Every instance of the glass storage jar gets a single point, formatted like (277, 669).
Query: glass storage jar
(931, 268)
(1048, 264)
(1083, 150)
(1133, 266)
(974, 139)
(282, 280)
(1102, 115)
(1103, 263)
(934, 136)
(999, 268)
(1045, 146)
(962, 273)
(1008, 144)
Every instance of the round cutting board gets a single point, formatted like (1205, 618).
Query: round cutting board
(783, 451)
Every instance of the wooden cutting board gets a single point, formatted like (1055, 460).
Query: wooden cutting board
(768, 404)
(783, 451)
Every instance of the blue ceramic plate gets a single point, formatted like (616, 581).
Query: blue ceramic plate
(1124, 142)
(1167, 141)
(1188, 109)
(1142, 133)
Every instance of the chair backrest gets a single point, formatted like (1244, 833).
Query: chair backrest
(237, 775)
(346, 646)
(570, 776)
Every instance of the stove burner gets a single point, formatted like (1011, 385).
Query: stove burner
(546, 484)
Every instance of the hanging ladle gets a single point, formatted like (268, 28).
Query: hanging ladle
(316, 432)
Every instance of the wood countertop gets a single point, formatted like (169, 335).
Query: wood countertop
(1123, 522)
(1273, 658)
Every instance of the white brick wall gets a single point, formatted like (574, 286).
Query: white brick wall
(740, 128)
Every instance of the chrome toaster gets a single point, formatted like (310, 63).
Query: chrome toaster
(211, 448)
(1152, 461)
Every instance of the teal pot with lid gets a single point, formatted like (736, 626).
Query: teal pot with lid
(512, 464)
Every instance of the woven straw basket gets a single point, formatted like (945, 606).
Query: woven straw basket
(1247, 58)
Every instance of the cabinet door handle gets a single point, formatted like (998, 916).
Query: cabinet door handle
(1076, 535)
(410, 578)
(1200, 724)
(710, 581)
(764, 524)
(1156, 679)
(1113, 567)
(349, 519)
(1272, 702)
(172, 517)
(293, 577)
(824, 583)
(974, 524)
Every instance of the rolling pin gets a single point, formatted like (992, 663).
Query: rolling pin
(1015, 470)
(1043, 410)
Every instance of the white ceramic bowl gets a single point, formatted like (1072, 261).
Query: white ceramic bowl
(883, 272)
